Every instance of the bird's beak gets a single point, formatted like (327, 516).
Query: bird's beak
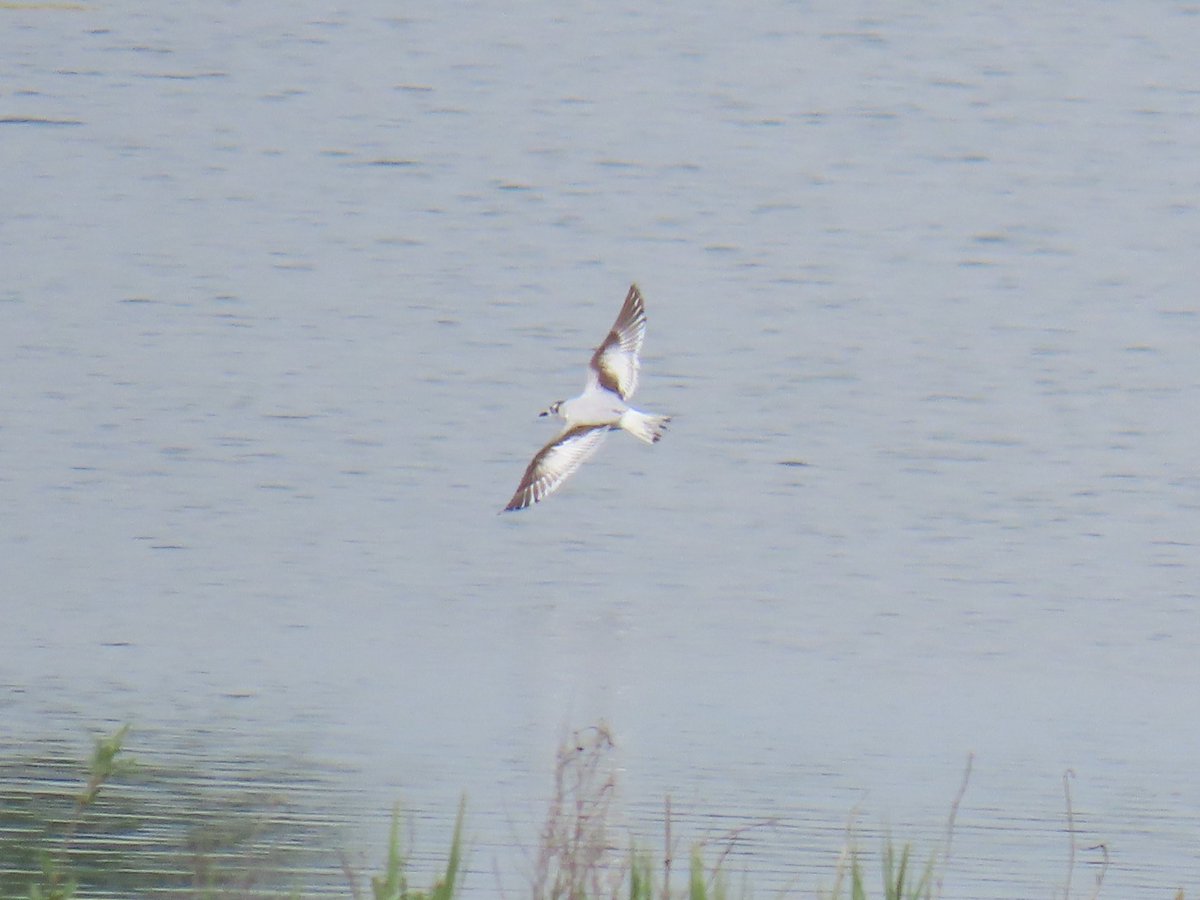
(543, 413)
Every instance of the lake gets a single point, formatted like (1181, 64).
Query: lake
(285, 286)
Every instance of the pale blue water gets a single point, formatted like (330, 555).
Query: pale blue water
(285, 287)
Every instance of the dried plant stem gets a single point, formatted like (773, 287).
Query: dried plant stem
(1067, 776)
(962, 790)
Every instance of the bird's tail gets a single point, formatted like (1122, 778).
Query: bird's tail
(644, 427)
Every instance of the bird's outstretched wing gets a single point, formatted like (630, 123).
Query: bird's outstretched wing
(555, 463)
(614, 365)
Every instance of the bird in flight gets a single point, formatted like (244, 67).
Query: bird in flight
(611, 380)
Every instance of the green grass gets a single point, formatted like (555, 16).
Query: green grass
(899, 882)
(577, 854)
(393, 883)
(107, 762)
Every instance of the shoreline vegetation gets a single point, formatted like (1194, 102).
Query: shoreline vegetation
(580, 854)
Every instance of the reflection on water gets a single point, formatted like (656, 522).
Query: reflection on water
(181, 824)
(168, 826)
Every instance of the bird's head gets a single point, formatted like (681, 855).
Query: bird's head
(552, 410)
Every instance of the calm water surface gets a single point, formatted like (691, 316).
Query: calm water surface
(285, 286)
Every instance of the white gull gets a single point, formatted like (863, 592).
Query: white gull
(611, 380)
